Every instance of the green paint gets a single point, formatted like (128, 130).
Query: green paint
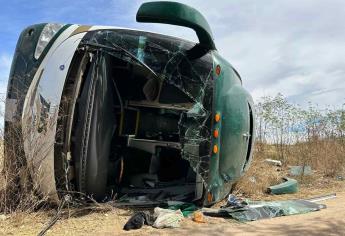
(232, 102)
(24, 65)
(177, 14)
(289, 186)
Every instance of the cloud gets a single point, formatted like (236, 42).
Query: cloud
(5, 63)
(294, 47)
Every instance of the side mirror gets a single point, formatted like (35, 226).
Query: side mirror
(174, 13)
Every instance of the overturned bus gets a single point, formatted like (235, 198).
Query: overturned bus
(123, 114)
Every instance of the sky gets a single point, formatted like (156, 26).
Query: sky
(293, 47)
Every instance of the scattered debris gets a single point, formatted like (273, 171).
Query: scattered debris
(273, 162)
(289, 186)
(256, 210)
(252, 179)
(198, 217)
(3, 217)
(300, 170)
(56, 217)
(340, 178)
(166, 218)
(138, 220)
(186, 207)
(323, 197)
(235, 202)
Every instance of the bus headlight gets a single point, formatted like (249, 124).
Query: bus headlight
(47, 34)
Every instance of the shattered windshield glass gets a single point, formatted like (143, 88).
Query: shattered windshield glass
(190, 79)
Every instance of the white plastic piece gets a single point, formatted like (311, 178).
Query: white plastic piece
(166, 218)
(273, 162)
(323, 198)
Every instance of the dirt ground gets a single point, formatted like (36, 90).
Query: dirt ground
(330, 221)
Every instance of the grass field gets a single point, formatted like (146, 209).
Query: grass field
(102, 218)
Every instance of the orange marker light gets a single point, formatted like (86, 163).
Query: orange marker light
(218, 70)
(209, 197)
(217, 117)
(215, 149)
(215, 133)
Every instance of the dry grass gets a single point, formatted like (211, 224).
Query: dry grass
(17, 191)
(111, 222)
(27, 212)
(326, 159)
(104, 218)
(2, 181)
(258, 178)
(326, 156)
(73, 222)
